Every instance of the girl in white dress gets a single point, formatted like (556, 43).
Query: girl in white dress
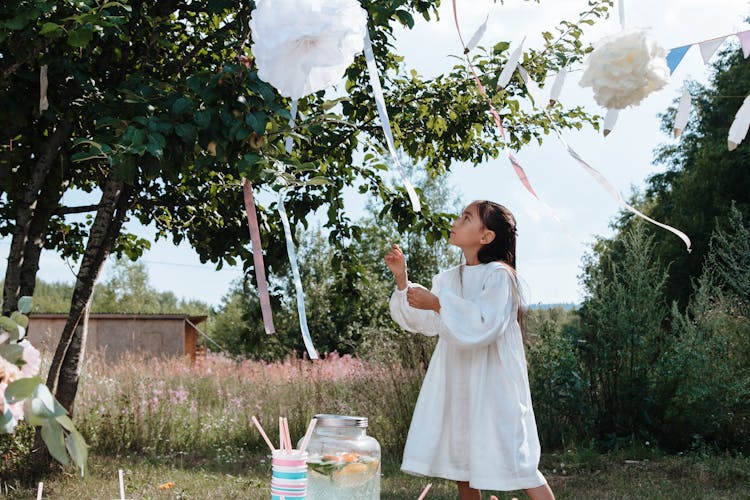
(473, 422)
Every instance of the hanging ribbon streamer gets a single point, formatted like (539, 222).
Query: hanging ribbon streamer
(609, 120)
(495, 115)
(740, 125)
(557, 86)
(385, 123)
(621, 10)
(260, 272)
(478, 34)
(289, 144)
(510, 66)
(598, 177)
(43, 82)
(683, 113)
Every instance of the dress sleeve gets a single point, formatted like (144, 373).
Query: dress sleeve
(480, 321)
(409, 318)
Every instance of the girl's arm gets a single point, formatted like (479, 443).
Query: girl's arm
(409, 318)
(478, 322)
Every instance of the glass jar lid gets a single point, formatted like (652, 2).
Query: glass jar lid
(326, 420)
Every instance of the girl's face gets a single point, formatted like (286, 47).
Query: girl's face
(468, 231)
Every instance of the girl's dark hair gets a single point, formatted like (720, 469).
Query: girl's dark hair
(500, 220)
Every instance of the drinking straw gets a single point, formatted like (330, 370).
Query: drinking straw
(281, 433)
(287, 437)
(122, 485)
(308, 434)
(263, 433)
(39, 491)
(424, 492)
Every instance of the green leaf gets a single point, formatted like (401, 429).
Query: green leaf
(246, 163)
(52, 433)
(50, 29)
(24, 304)
(20, 319)
(202, 118)
(78, 449)
(318, 181)
(7, 422)
(21, 389)
(80, 37)
(11, 352)
(405, 18)
(17, 23)
(43, 404)
(66, 422)
(187, 132)
(257, 121)
(181, 105)
(9, 326)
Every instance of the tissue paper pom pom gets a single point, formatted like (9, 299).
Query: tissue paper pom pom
(32, 359)
(303, 46)
(624, 69)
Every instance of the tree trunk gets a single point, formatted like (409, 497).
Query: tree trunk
(25, 210)
(49, 200)
(66, 365)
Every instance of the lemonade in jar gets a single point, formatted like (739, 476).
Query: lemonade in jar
(343, 462)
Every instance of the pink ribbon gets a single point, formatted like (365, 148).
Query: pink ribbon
(260, 272)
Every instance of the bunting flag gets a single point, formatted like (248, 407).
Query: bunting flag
(385, 123)
(683, 113)
(293, 254)
(674, 57)
(709, 47)
(744, 37)
(740, 125)
(260, 270)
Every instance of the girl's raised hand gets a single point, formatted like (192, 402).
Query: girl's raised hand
(396, 262)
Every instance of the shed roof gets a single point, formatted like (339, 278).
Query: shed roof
(125, 316)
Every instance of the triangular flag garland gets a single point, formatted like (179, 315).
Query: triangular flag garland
(709, 47)
(674, 57)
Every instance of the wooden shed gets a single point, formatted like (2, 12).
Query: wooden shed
(116, 334)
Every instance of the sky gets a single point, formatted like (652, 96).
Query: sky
(549, 252)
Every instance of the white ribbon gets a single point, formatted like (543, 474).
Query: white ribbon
(510, 66)
(740, 125)
(289, 144)
(621, 9)
(478, 34)
(598, 177)
(557, 86)
(609, 120)
(385, 123)
(683, 113)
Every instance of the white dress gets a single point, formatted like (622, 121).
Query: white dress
(473, 420)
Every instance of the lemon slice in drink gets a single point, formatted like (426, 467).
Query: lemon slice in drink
(353, 474)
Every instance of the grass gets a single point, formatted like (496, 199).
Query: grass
(613, 476)
(166, 421)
